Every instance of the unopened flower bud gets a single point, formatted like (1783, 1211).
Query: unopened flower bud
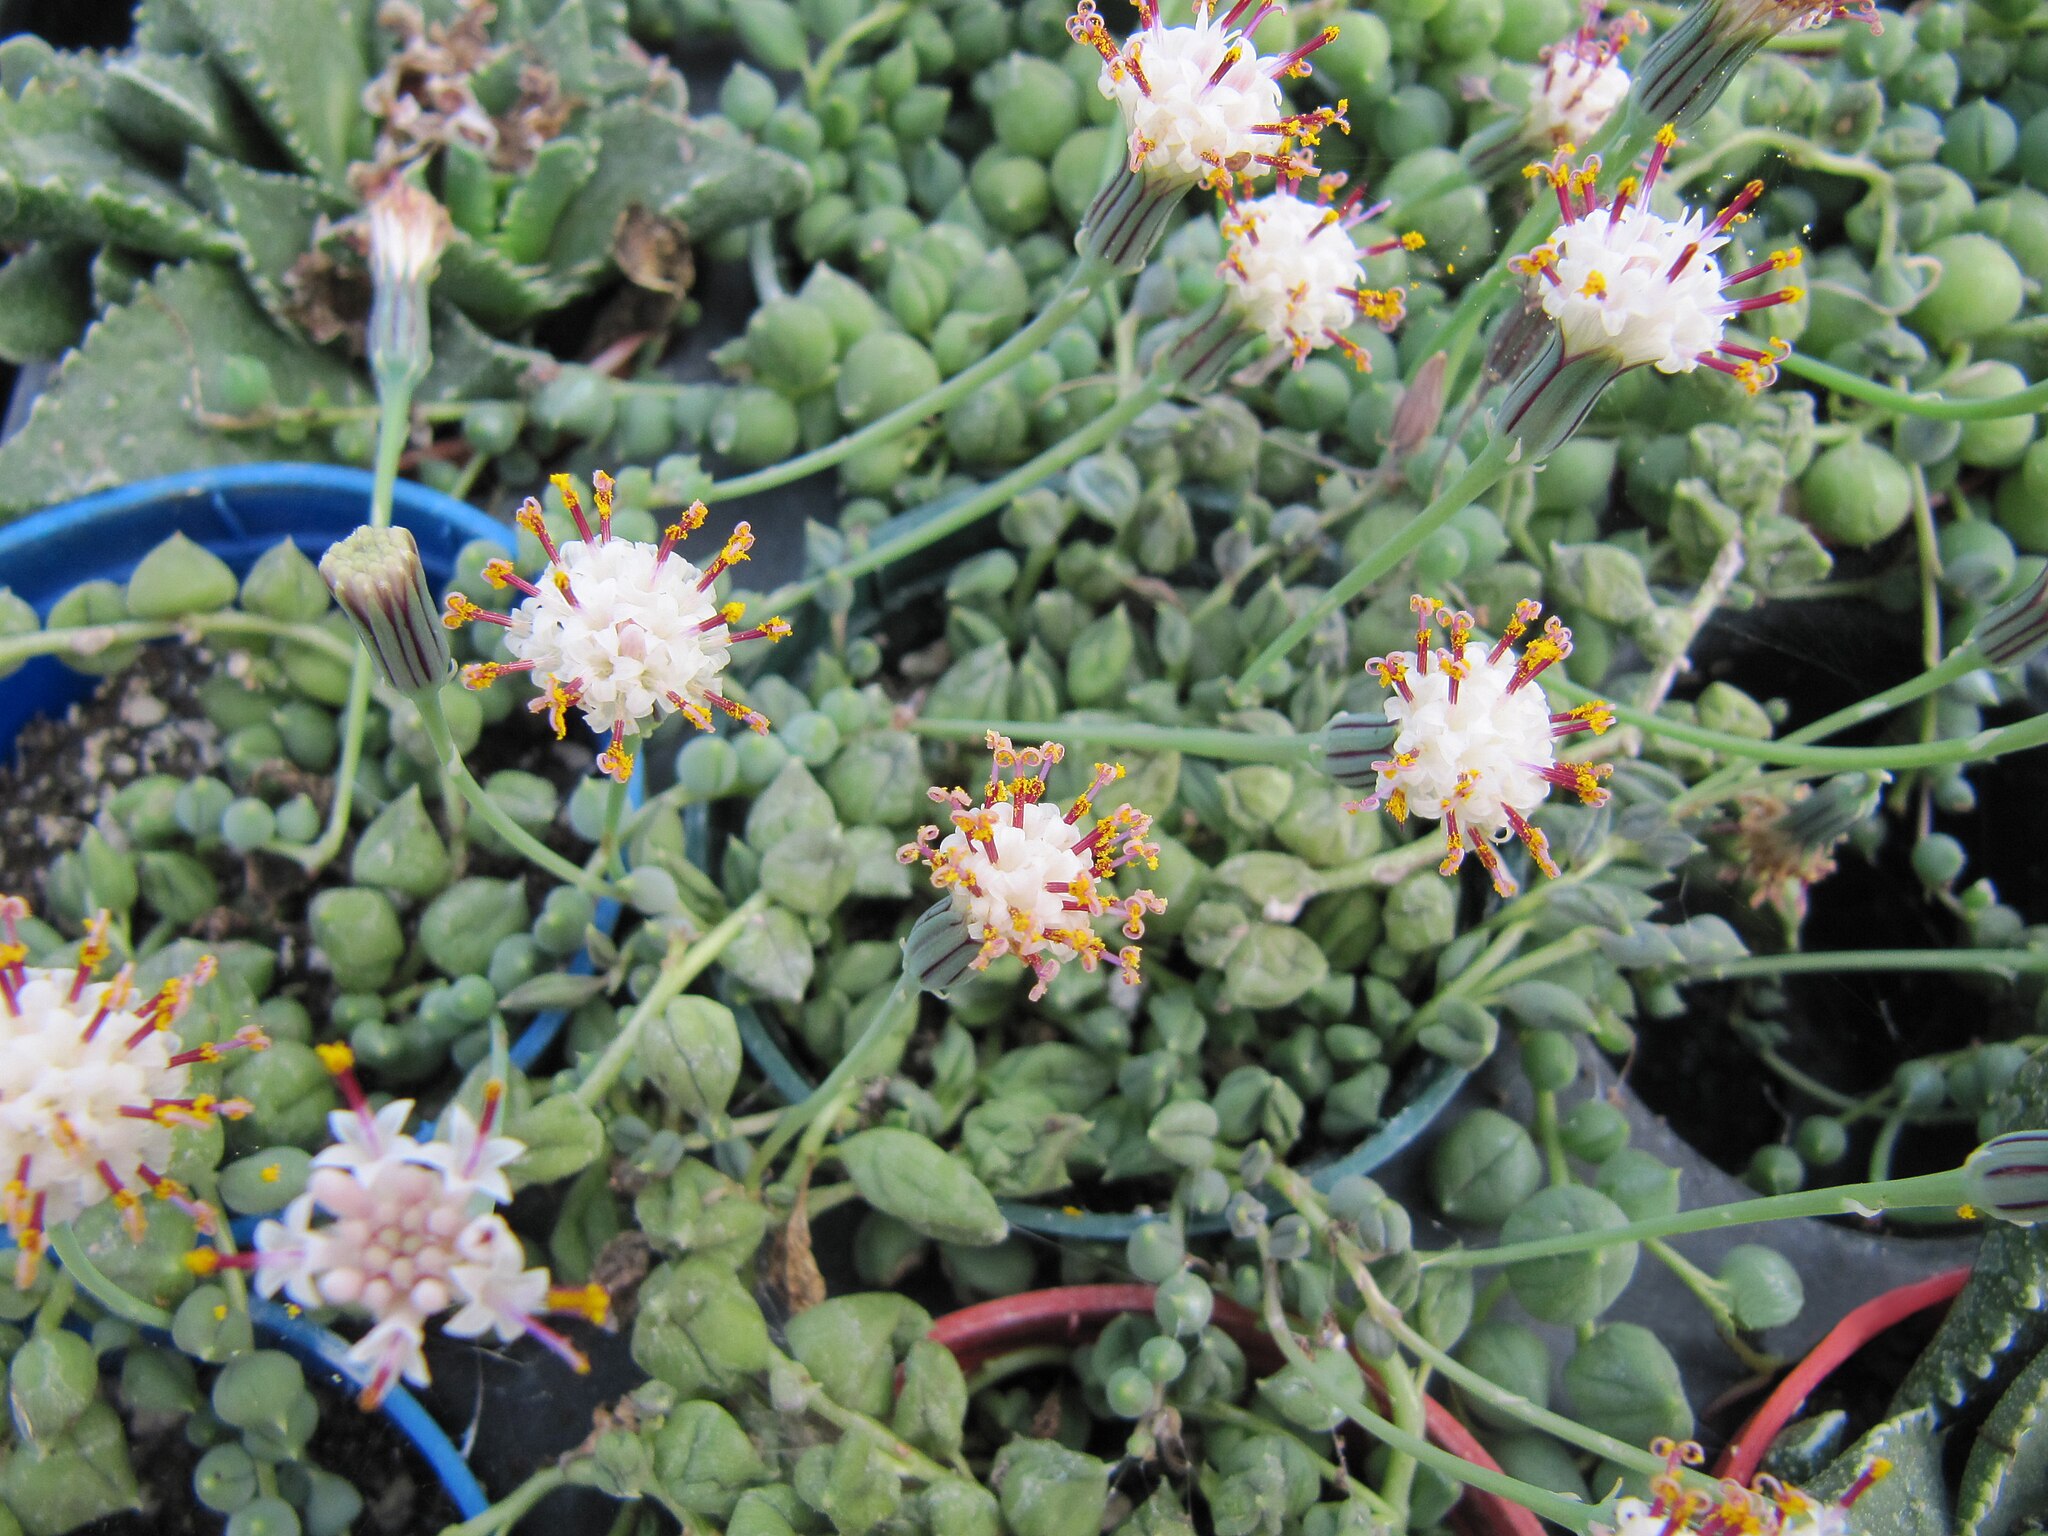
(408, 232)
(940, 951)
(1421, 407)
(2016, 628)
(1685, 70)
(2007, 1178)
(376, 577)
(1351, 744)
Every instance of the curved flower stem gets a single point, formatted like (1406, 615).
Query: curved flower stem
(1924, 1191)
(514, 1507)
(1980, 746)
(2022, 402)
(394, 424)
(1573, 1514)
(608, 839)
(677, 972)
(92, 1280)
(1959, 664)
(1712, 1295)
(821, 69)
(997, 493)
(1062, 308)
(1136, 735)
(876, 1049)
(2004, 963)
(435, 723)
(1483, 471)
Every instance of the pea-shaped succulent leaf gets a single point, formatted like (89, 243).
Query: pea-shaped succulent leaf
(1569, 1287)
(51, 1380)
(1484, 1168)
(1513, 1357)
(1048, 1490)
(265, 1181)
(562, 1136)
(1641, 1185)
(401, 850)
(704, 1460)
(691, 1053)
(698, 1329)
(284, 585)
(1763, 1286)
(357, 930)
(906, 1176)
(1623, 1382)
(84, 1475)
(180, 577)
(463, 924)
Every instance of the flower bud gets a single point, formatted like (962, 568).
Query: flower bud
(376, 577)
(1686, 69)
(1421, 407)
(2016, 628)
(408, 232)
(940, 950)
(2007, 1178)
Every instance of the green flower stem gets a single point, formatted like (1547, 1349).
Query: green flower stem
(2022, 402)
(2002, 963)
(1980, 746)
(1571, 1513)
(1959, 664)
(996, 494)
(875, 1051)
(1136, 735)
(1062, 308)
(1309, 1203)
(456, 772)
(821, 69)
(513, 1508)
(92, 1280)
(394, 425)
(1712, 1295)
(1404, 1400)
(608, 840)
(1483, 471)
(1925, 1191)
(678, 970)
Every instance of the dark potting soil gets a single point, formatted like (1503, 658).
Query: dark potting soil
(146, 720)
(400, 1494)
(1848, 1030)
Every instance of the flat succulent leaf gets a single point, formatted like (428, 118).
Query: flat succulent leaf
(496, 292)
(2000, 1320)
(65, 176)
(1912, 1500)
(168, 102)
(127, 403)
(166, 26)
(672, 166)
(535, 204)
(26, 59)
(2007, 1475)
(470, 365)
(272, 217)
(45, 301)
(300, 65)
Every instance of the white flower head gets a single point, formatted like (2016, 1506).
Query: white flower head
(1621, 280)
(1295, 277)
(92, 1088)
(1028, 879)
(1582, 80)
(622, 631)
(1199, 102)
(1767, 1507)
(1769, 18)
(412, 1230)
(1476, 738)
(408, 232)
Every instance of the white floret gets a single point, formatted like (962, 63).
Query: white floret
(1184, 126)
(1576, 96)
(1503, 739)
(1615, 293)
(633, 636)
(1013, 898)
(1288, 267)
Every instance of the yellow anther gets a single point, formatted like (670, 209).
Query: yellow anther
(337, 1058)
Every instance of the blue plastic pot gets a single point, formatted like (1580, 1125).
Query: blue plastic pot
(239, 513)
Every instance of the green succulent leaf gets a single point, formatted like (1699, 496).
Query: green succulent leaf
(1913, 1500)
(172, 102)
(300, 65)
(2007, 1474)
(45, 301)
(125, 405)
(271, 217)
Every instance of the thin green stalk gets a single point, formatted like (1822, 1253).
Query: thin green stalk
(2002, 963)
(1711, 1294)
(394, 425)
(1136, 735)
(1980, 746)
(1927, 1190)
(523, 842)
(1062, 308)
(821, 69)
(997, 493)
(2022, 402)
(93, 1281)
(677, 972)
(1404, 1401)
(1480, 474)
(1570, 1513)
(608, 838)
(885, 1035)
(514, 1507)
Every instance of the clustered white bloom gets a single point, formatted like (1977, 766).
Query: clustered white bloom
(1766, 1508)
(1026, 878)
(1640, 288)
(623, 631)
(408, 232)
(1582, 81)
(412, 1232)
(1769, 18)
(1200, 101)
(1475, 747)
(92, 1088)
(1294, 276)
